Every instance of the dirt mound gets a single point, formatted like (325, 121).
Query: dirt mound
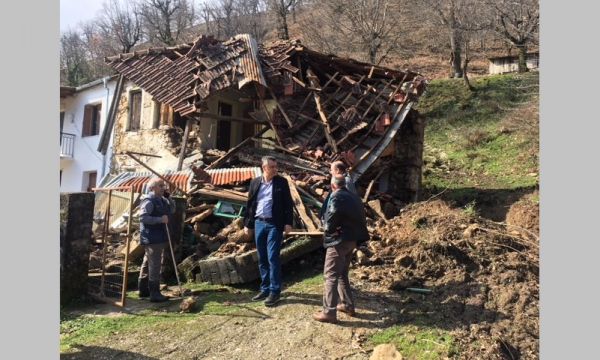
(480, 278)
(525, 214)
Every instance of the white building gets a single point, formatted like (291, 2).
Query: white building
(83, 114)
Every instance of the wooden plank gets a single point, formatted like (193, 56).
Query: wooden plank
(129, 236)
(299, 204)
(287, 119)
(200, 208)
(231, 151)
(221, 195)
(186, 134)
(200, 217)
(309, 94)
(311, 78)
(298, 81)
(262, 102)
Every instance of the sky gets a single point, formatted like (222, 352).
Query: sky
(74, 11)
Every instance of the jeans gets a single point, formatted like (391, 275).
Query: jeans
(268, 245)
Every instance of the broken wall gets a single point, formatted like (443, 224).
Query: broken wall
(405, 179)
(148, 140)
(209, 128)
(76, 213)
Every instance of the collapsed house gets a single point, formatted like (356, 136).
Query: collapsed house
(217, 107)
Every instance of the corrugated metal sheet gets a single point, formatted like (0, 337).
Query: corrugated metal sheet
(139, 180)
(249, 63)
(233, 175)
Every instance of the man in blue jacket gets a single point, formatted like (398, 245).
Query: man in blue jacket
(344, 227)
(269, 212)
(154, 217)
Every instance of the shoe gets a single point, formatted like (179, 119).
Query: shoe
(343, 308)
(143, 291)
(155, 295)
(261, 295)
(272, 299)
(320, 316)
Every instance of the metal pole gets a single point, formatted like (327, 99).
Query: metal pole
(174, 262)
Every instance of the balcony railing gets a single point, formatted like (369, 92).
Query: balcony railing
(67, 144)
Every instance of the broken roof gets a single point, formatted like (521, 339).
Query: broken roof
(327, 107)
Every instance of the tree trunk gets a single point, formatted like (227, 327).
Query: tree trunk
(455, 55)
(374, 48)
(282, 26)
(465, 67)
(522, 58)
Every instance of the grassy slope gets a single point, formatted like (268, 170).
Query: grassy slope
(485, 139)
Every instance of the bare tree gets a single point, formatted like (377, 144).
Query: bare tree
(73, 62)
(164, 20)
(121, 23)
(371, 27)
(281, 9)
(207, 15)
(461, 19)
(252, 15)
(517, 21)
(227, 14)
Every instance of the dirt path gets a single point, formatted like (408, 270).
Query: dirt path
(248, 331)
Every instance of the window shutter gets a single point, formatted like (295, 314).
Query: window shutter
(87, 120)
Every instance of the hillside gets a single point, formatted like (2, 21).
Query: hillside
(454, 276)
(482, 147)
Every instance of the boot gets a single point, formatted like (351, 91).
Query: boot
(143, 291)
(155, 295)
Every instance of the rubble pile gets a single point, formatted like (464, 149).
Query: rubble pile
(475, 277)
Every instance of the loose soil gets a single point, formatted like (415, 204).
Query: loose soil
(483, 278)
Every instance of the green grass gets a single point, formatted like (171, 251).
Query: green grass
(84, 329)
(466, 139)
(212, 300)
(417, 342)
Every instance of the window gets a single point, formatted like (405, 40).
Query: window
(156, 115)
(135, 110)
(91, 120)
(224, 127)
(91, 180)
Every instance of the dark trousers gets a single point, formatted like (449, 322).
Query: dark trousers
(337, 285)
(268, 245)
(151, 264)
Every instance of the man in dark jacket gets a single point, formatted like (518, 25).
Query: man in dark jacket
(344, 227)
(154, 217)
(338, 168)
(269, 212)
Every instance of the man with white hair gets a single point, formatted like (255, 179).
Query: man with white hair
(154, 217)
(269, 212)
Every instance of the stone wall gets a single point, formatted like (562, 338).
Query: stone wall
(76, 213)
(405, 178)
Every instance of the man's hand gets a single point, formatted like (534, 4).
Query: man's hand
(165, 219)
(287, 229)
(246, 231)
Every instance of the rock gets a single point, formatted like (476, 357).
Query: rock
(403, 261)
(361, 257)
(385, 352)
(188, 304)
